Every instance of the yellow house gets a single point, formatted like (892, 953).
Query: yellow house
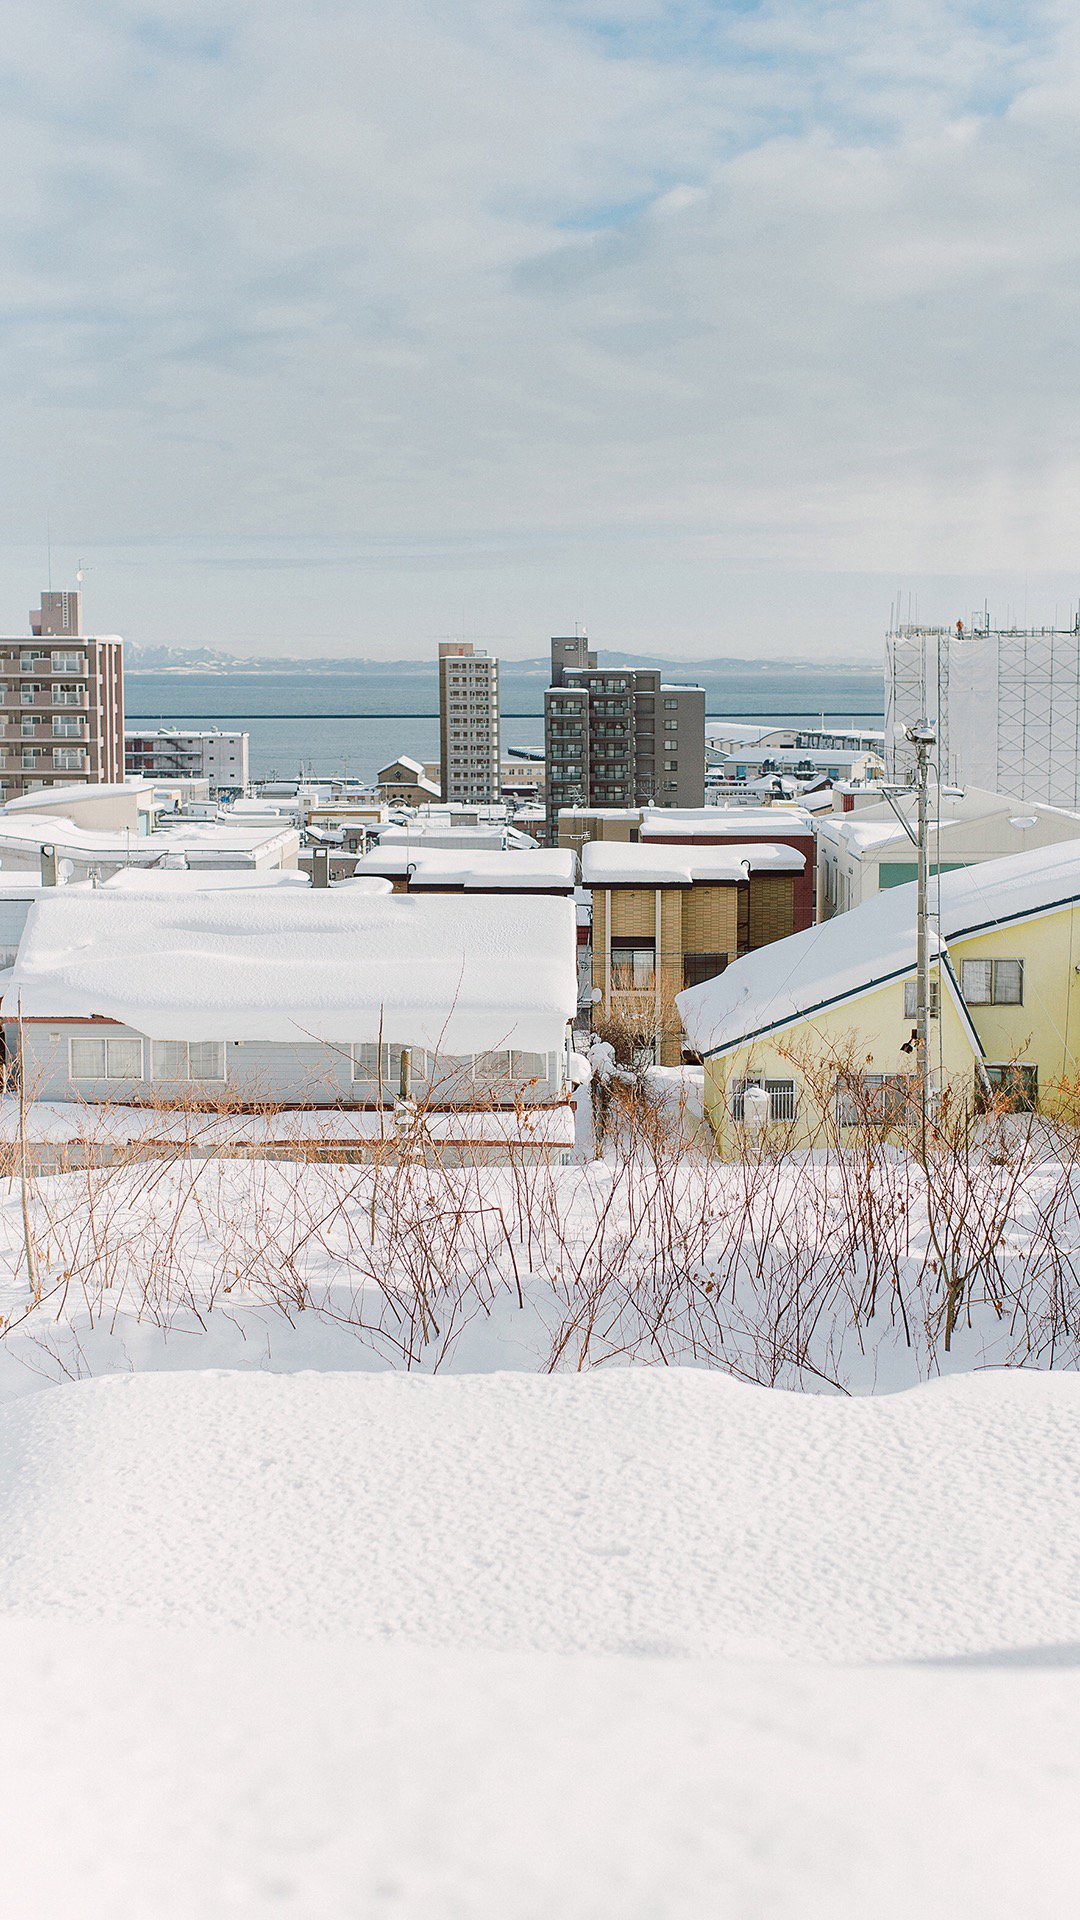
(825, 1021)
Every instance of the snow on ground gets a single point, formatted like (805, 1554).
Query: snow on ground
(638, 1512)
(652, 1645)
(287, 1630)
(182, 1776)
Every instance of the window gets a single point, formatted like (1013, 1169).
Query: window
(992, 983)
(873, 1099)
(491, 1067)
(365, 1063)
(781, 1097)
(123, 1059)
(94, 1057)
(88, 1059)
(189, 1060)
(633, 965)
(702, 966)
(1013, 1086)
(671, 706)
(671, 766)
(911, 994)
(528, 1066)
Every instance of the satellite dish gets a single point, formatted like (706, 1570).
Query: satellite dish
(66, 870)
(1023, 820)
(596, 995)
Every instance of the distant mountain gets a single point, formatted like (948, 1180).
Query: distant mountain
(217, 660)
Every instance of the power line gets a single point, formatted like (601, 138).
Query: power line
(788, 713)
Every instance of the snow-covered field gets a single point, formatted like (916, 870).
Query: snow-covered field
(320, 1595)
(638, 1644)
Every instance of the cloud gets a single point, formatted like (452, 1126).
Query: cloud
(788, 284)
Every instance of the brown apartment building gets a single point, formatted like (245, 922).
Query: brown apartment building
(61, 702)
(665, 917)
(701, 827)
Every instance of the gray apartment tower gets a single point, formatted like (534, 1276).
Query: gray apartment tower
(618, 736)
(61, 702)
(468, 724)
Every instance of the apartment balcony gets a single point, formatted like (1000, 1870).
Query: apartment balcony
(43, 766)
(46, 667)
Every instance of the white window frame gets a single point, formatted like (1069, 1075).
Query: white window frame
(911, 995)
(874, 1099)
(107, 1042)
(364, 1056)
(783, 1098)
(185, 1075)
(993, 997)
(632, 958)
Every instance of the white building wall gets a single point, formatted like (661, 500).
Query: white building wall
(1006, 703)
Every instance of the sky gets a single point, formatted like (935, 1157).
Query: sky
(350, 325)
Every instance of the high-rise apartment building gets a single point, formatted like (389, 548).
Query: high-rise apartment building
(619, 736)
(468, 723)
(61, 702)
(1005, 702)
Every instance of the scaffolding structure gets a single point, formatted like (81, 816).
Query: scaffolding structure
(917, 663)
(1005, 702)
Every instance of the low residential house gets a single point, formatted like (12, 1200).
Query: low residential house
(32, 843)
(118, 806)
(550, 870)
(825, 1021)
(334, 1001)
(863, 852)
(667, 916)
(404, 783)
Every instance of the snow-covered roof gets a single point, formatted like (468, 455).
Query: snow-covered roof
(332, 964)
(23, 886)
(485, 870)
(620, 863)
(405, 760)
(418, 833)
(78, 790)
(740, 823)
(184, 880)
(30, 830)
(742, 730)
(860, 950)
(814, 757)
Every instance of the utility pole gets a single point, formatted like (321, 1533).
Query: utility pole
(922, 737)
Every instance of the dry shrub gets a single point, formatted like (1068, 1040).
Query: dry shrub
(788, 1266)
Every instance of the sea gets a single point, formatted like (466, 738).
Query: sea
(328, 724)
